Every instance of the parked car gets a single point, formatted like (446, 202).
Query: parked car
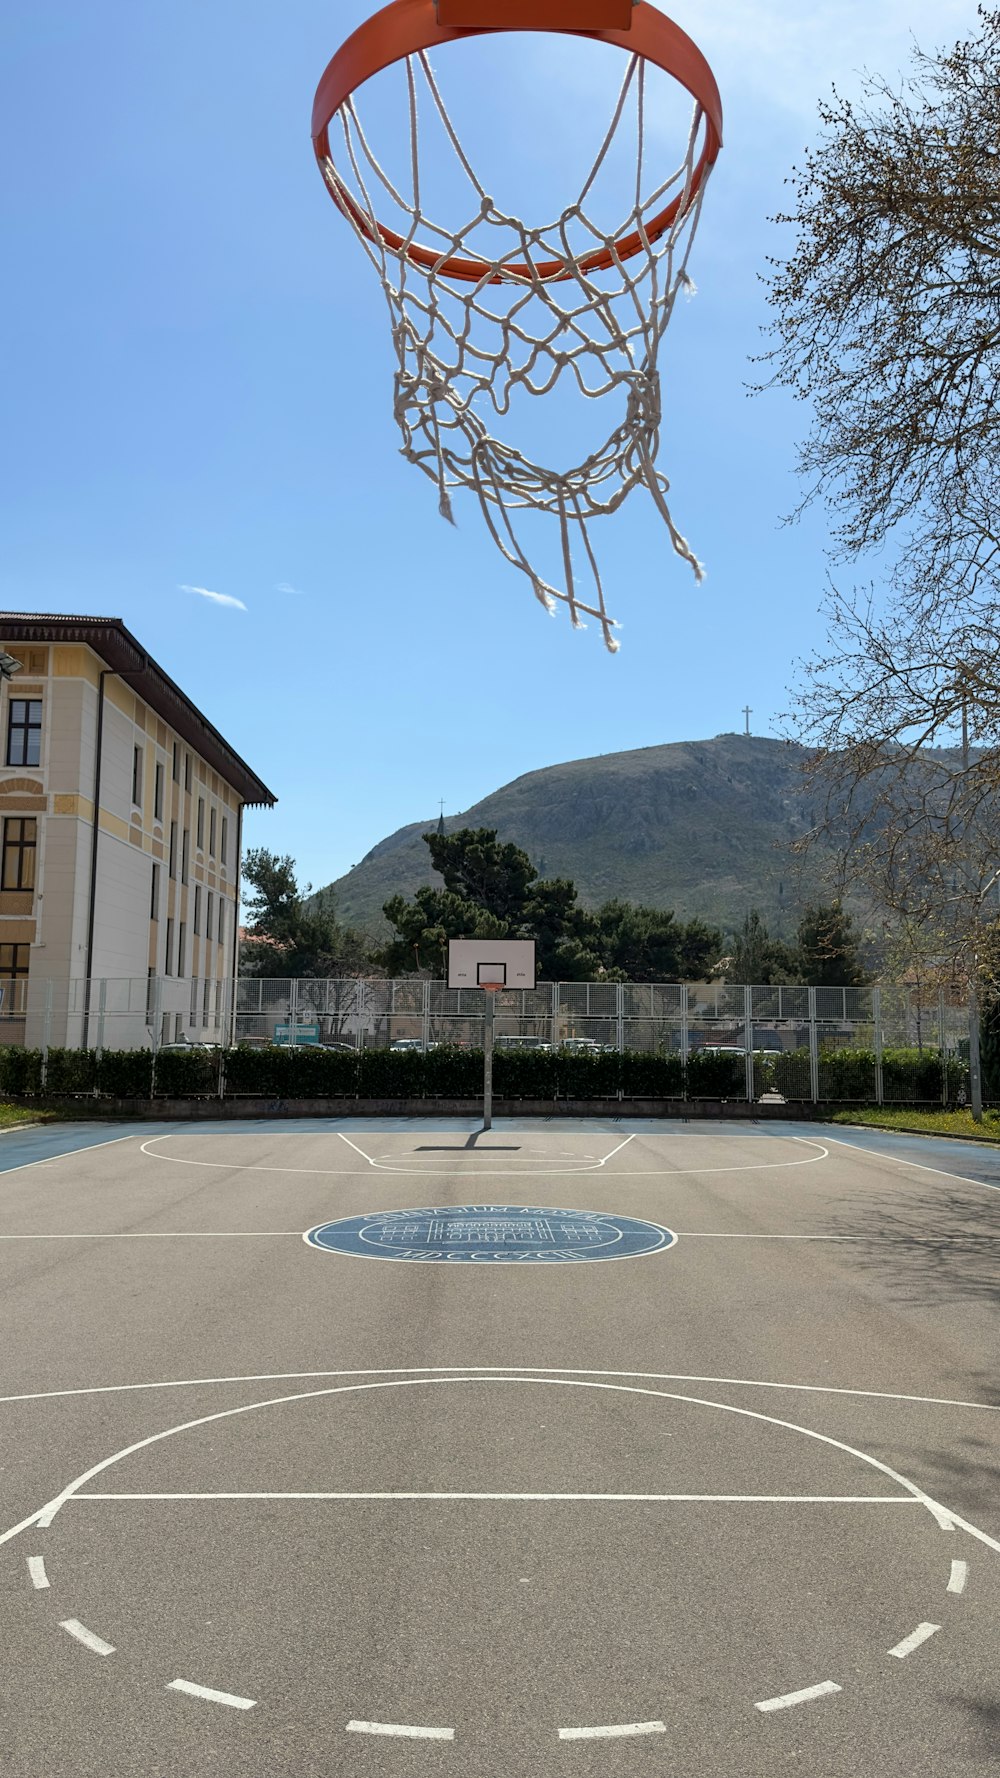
(586, 1046)
(406, 1043)
(508, 1042)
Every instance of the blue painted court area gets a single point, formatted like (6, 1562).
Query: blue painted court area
(964, 1160)
(491, 1234)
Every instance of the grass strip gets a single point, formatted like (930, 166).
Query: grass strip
(924, 1123)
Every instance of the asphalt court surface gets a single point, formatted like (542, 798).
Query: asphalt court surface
(729, 1506)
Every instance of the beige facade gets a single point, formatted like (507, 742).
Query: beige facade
(141, 910)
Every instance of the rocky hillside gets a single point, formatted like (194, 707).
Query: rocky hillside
(703, 827)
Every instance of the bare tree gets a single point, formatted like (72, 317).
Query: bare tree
(887, 322)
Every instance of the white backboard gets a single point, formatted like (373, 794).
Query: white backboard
(474, 961)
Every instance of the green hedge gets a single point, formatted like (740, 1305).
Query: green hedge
(909, 1076)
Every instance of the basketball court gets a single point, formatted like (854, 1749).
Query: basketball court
(656, 1447)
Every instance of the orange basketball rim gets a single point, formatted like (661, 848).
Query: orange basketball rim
(408, 27)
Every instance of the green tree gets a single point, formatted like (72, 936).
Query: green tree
(756, 957)
(644, 944)
(289, 935)
(492, 890)
(829, 948)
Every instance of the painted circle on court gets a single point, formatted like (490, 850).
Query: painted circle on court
(491, 1234)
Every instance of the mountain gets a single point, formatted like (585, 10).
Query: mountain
(703, 827)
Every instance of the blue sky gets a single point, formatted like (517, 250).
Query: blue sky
(197, 393)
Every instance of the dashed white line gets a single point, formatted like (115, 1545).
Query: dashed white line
(36, 1569)
(913, 1640)
(606, 1731)
(412, 1731)
(958, 1577)
(785, 1702)
(96, 1643)
(212, 1697)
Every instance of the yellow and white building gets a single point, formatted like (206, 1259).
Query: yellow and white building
(120, 833)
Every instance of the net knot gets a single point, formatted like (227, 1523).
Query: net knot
(644, 407)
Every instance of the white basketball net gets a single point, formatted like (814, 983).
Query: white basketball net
(464, 348)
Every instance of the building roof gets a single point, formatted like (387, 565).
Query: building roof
(119, 650)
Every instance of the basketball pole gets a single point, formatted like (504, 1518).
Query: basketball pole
(488, 1062)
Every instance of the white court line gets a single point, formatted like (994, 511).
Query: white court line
(921, 1166)
(705, 1235)
(943, 1517)
(36, 1569)
(958, 1577)
(213, 1697)
(913, 1640)
(381, 1167)
(562, 1170)
(410, 1730)
(71, 1154)
(426, 1494)
(87, 1637)
(934, 1401)
(175, 1235)
(606, 1731)
(785, 1702)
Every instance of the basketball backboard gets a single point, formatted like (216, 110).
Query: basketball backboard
(491, 962)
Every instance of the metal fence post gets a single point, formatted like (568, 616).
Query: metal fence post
(157, 1020)
(425, 1016)
(942, 1051)
(554, 1028)
(685, 1014)
(813, 1048)
(748, 1041)
(877, 1018)
(46, 1031)
(620, 1016)
(102, 1007)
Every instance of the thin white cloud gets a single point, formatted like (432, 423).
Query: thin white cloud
(292, 592)
(204, 592)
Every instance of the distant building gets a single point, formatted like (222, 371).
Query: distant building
(131, 914)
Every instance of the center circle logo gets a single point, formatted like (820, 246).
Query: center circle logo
(491, 1234)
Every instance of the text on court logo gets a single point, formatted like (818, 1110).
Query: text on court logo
(491, 1234)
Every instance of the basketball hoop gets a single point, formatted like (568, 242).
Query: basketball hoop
(567, 299)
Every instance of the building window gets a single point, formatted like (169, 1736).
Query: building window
(187, 771)
(211, 834)
(172, 863)
(150, 995)
(193, 1012)
(200, 840)
(168, 968)
(24, 732)
(225, 838)
(13, 968)
(181, 946)
(20, 841)
(185, 854)
(158, 792)
(137, 777)
(222, 919)
(197, 907)
(204, 1002)
(14, 961)
(176, 772)
(154, 893)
